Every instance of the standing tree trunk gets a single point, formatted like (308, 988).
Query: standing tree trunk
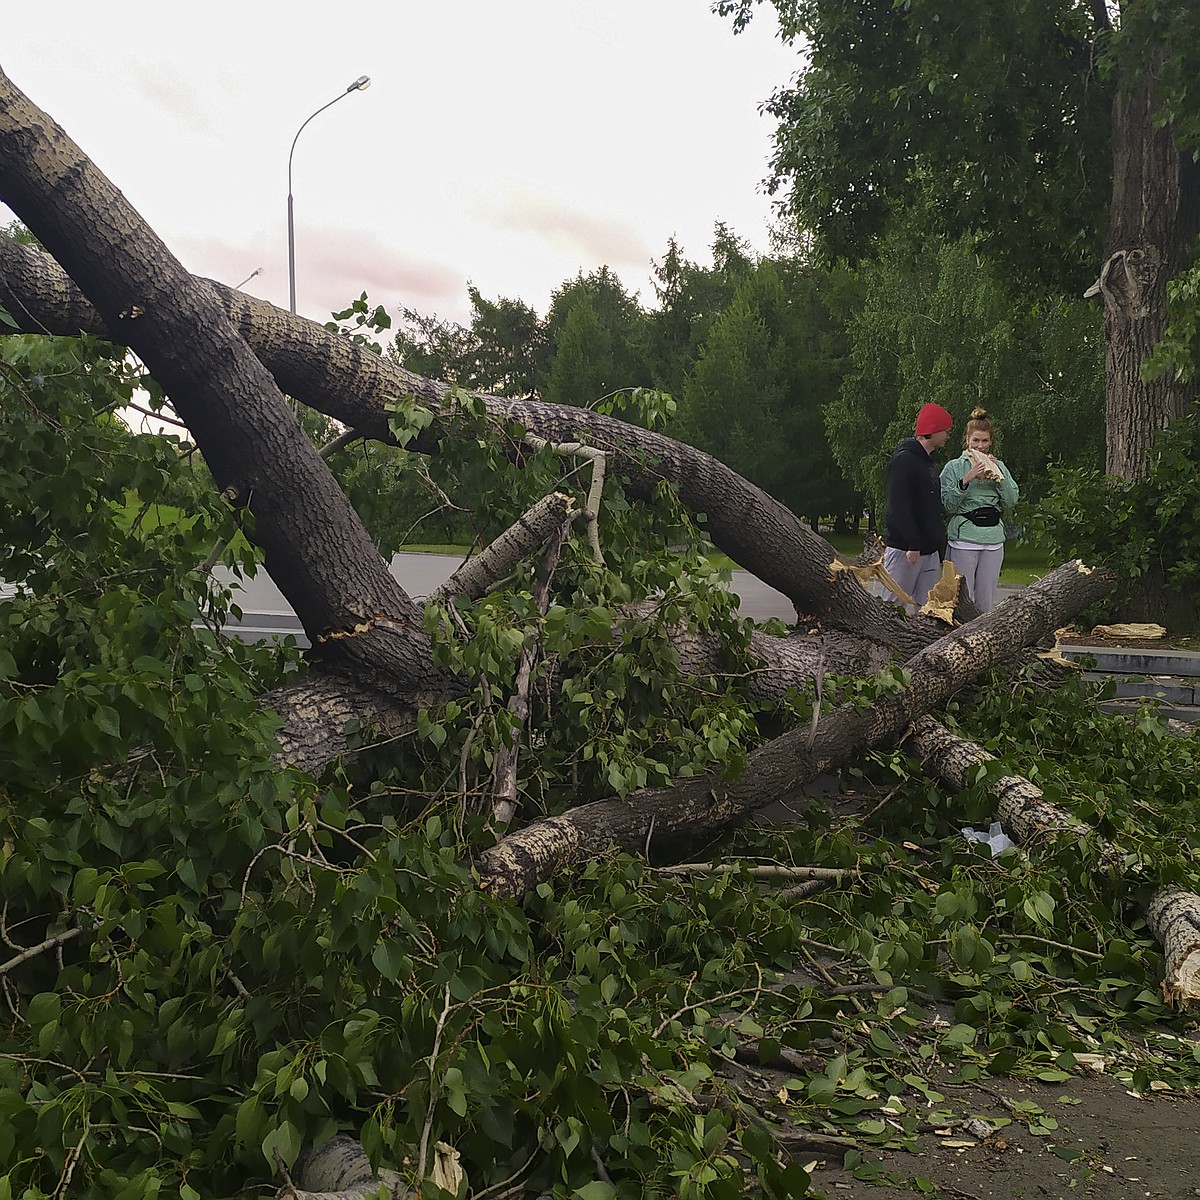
(1152, 228)
(1153, 223)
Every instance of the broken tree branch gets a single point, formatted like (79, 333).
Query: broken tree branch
(778, 770)
(504, 768)
(1173, 913)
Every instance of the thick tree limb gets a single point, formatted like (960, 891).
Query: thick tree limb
(482, 571)
(1173, 914)
(347, 382)
(318, 707)
(315, 546)
(1023, 811)
(779, 770)
(767, 872)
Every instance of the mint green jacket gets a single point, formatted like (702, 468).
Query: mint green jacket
(1000, 494)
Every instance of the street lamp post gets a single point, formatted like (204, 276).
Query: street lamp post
(363, 81)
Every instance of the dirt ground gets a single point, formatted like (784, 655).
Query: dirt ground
(1109, 1144)
(1089, 1136)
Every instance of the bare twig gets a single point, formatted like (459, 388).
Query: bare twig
(818, 692)
(755, 991)
(867, 816)
(434, 1085)
(51, 943)
(1041, 941)
(773, 871)
(504, 769)
(803, 890)
(64, 1184)
(335, 444)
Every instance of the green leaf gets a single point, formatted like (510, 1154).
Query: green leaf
(284, 1140)
(596, 1190)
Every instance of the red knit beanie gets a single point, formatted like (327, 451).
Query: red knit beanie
(932, 418)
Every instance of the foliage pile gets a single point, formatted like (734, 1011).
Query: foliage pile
(211, 963)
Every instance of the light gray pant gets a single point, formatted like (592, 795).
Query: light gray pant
(981, 570)
(915, 578)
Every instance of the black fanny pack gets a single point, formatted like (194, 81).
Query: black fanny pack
(987, 515)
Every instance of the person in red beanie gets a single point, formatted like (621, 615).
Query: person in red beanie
(916, 532)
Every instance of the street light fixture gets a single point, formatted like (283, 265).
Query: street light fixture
(360, 84)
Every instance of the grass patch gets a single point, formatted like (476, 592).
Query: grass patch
(436, 548)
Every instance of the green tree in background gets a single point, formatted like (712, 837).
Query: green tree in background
(509, 346)
(500, 352)
(771, 362)
(596, 334)
(943, 327)
(432, 347)
(816, 357)
(690, 298)
(733, 398)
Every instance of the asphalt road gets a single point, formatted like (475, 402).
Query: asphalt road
(265, 613)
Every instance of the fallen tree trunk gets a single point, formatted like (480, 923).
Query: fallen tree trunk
(347, 382)
(317, 551)
(1173, 914)
(779, 770)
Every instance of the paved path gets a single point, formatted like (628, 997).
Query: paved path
(265, 613)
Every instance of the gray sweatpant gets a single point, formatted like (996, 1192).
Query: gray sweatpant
(981, 569)
(915, 578)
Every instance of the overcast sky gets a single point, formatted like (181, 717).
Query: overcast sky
(508, 143)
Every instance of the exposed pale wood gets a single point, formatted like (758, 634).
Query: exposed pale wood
(1173, 916)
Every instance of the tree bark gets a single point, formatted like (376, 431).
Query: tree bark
(340, 1170)
(1153, 223)
(780, 769)
(343, 380)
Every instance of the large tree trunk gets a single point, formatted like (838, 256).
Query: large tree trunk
(1153, 222)
(780, 769)
(343, 380)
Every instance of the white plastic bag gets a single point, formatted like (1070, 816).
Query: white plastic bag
(996, 839)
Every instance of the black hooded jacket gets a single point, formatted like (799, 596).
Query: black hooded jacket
(913, 515)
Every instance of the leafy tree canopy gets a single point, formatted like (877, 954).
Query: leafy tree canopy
(987, 117)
